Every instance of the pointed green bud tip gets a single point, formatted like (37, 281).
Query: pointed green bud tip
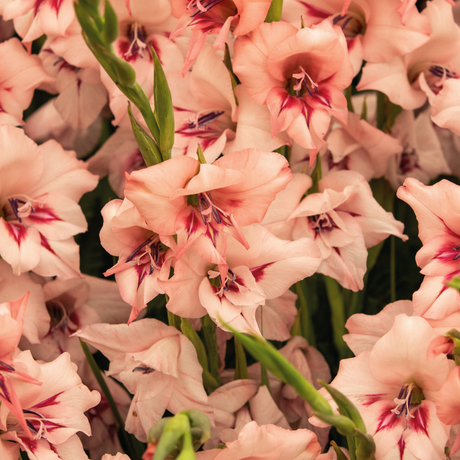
(338, 451)
(110, 32)
(147, 146)
(164, 113)
(200, 155)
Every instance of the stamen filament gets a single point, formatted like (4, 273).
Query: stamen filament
(135, 40)
(204, 120)
(145, 243)
(305, 80)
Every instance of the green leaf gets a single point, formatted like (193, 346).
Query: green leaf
(316, 175)
(173, 320)
(338, 451)
(365, 446)
(192, 335)
(348, 94)
(241, 367)
(130, 442)
(386, 112)
(209, 381)
(138, 97)
(102, 383)
(264, 377)
(335, 297)
(346, 407)
(164, 113)
(110, 32)
(228, 64)
(208, 328)
(364, 110)
(147, 145)
(280, 367)
(343, 424)
(274, 13)
(306, 288)
(372, 255)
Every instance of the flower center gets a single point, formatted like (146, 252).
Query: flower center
(144, 369)
(60, 319)
(203, 120)
(409, 397)
(409, 161)
(350, 25)
(63, 64)
(302, 79)
(436, 75)
(208, 210)
(302, 84)
(230, 283)
(199, 7)
(456, 248)
(137, 39)
(149, 252)
(321, 222)
(38, 424)
(21, 208)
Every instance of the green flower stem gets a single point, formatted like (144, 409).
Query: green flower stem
(187, 452)
(351, 447)
(174, 430)
(348, 93)
(264, 377)
(173, 320)
(316, 175)
(392, 268)
(209, 381)
(241, 367)
(263, 370)
(306, 325)
(208, 327)
(281, 368)
(338, 451)
(334, 295)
